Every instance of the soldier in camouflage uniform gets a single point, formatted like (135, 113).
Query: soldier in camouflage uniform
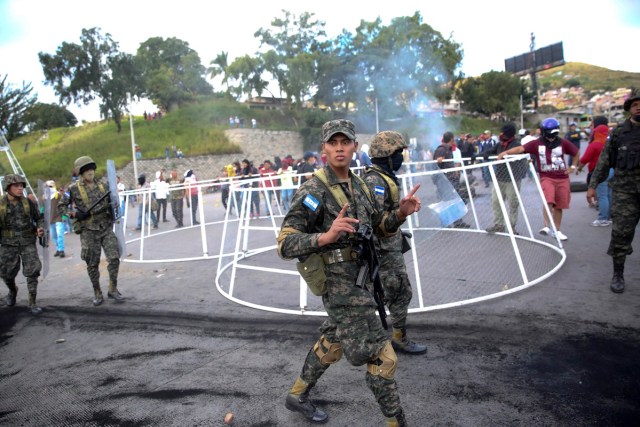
(386, 155)
(20, 223)
(95, 227)
(318, 227)
(177, 196)
(622, 153)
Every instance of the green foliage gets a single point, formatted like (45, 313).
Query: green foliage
(491, 93)
(591, 77)
(48, 116)
(172, 72)
(92, 69)
(296, 44)
(399, 65)
(196, 128)
(14, 104)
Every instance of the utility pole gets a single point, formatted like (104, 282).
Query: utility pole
(534, 81)
(133, 140)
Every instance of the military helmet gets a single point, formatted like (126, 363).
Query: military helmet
(385, 143)
(81, 162)
(634, 96)
(13, 179)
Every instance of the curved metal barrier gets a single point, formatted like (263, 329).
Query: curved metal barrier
(453, 261)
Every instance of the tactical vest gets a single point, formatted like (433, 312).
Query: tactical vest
(337, 192)
(26, 207)
(628, 156)
(393, 187)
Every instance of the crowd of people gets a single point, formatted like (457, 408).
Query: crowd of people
(332, 217)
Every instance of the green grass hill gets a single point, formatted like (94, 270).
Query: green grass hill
(590, 77)
(197, 129)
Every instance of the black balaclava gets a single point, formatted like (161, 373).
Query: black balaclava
(396, 160)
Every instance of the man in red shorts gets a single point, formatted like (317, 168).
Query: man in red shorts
(549, 153)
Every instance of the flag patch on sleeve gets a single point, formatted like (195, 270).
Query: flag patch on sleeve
(379, 190)
(311, 202)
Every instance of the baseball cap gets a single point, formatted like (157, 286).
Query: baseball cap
(332, 127)
(487, 132)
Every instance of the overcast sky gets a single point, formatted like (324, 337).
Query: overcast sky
(603, 33)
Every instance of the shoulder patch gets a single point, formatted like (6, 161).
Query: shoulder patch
(379, 190)
(311, 202)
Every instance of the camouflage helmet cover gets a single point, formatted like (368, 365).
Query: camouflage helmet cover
(13, 179)
(385, 143)
(634, 96)
(81, 162)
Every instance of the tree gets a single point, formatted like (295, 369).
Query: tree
(48, 116)
(172, 72)
(92, 69)
(398, 65)
(491, 93)
(219, 67)
(297, 43)
(14, 103)
(244, 76)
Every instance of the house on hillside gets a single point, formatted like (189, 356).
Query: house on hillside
(266, 103)
(578, 115)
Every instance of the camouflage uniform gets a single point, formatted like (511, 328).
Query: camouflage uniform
(622, 153)
(96, 232)
(18, 244)
(177, 200)
(393, 271)
(397, 287)
(353, 326)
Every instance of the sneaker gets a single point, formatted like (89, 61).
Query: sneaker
(601, 223)
(57, 253)
(561, 235)
(61, 254)
(545, 231)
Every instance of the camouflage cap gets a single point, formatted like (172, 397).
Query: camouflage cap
(332, 127)
(385, 143)
(13, 179)
(634, 96)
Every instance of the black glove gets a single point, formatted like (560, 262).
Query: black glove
(81, 216)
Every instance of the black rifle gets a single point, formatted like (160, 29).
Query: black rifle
(96, 203)
(367, 247)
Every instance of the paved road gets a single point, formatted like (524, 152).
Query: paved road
(565, 352)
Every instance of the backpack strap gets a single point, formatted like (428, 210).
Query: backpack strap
(83, 193)
(393, 187)
(336, 190)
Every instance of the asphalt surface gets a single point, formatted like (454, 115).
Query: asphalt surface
(565, 352)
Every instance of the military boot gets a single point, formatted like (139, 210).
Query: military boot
(298, 401)
(35, 310)
(10, 299)
(617, 281)
(98, 299)
(113, 293)
(398, 420)
(400, 342)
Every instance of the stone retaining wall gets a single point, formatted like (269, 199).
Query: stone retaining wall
(257, 145)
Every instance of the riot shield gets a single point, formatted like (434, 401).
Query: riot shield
(44, 203)
(114, 205)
